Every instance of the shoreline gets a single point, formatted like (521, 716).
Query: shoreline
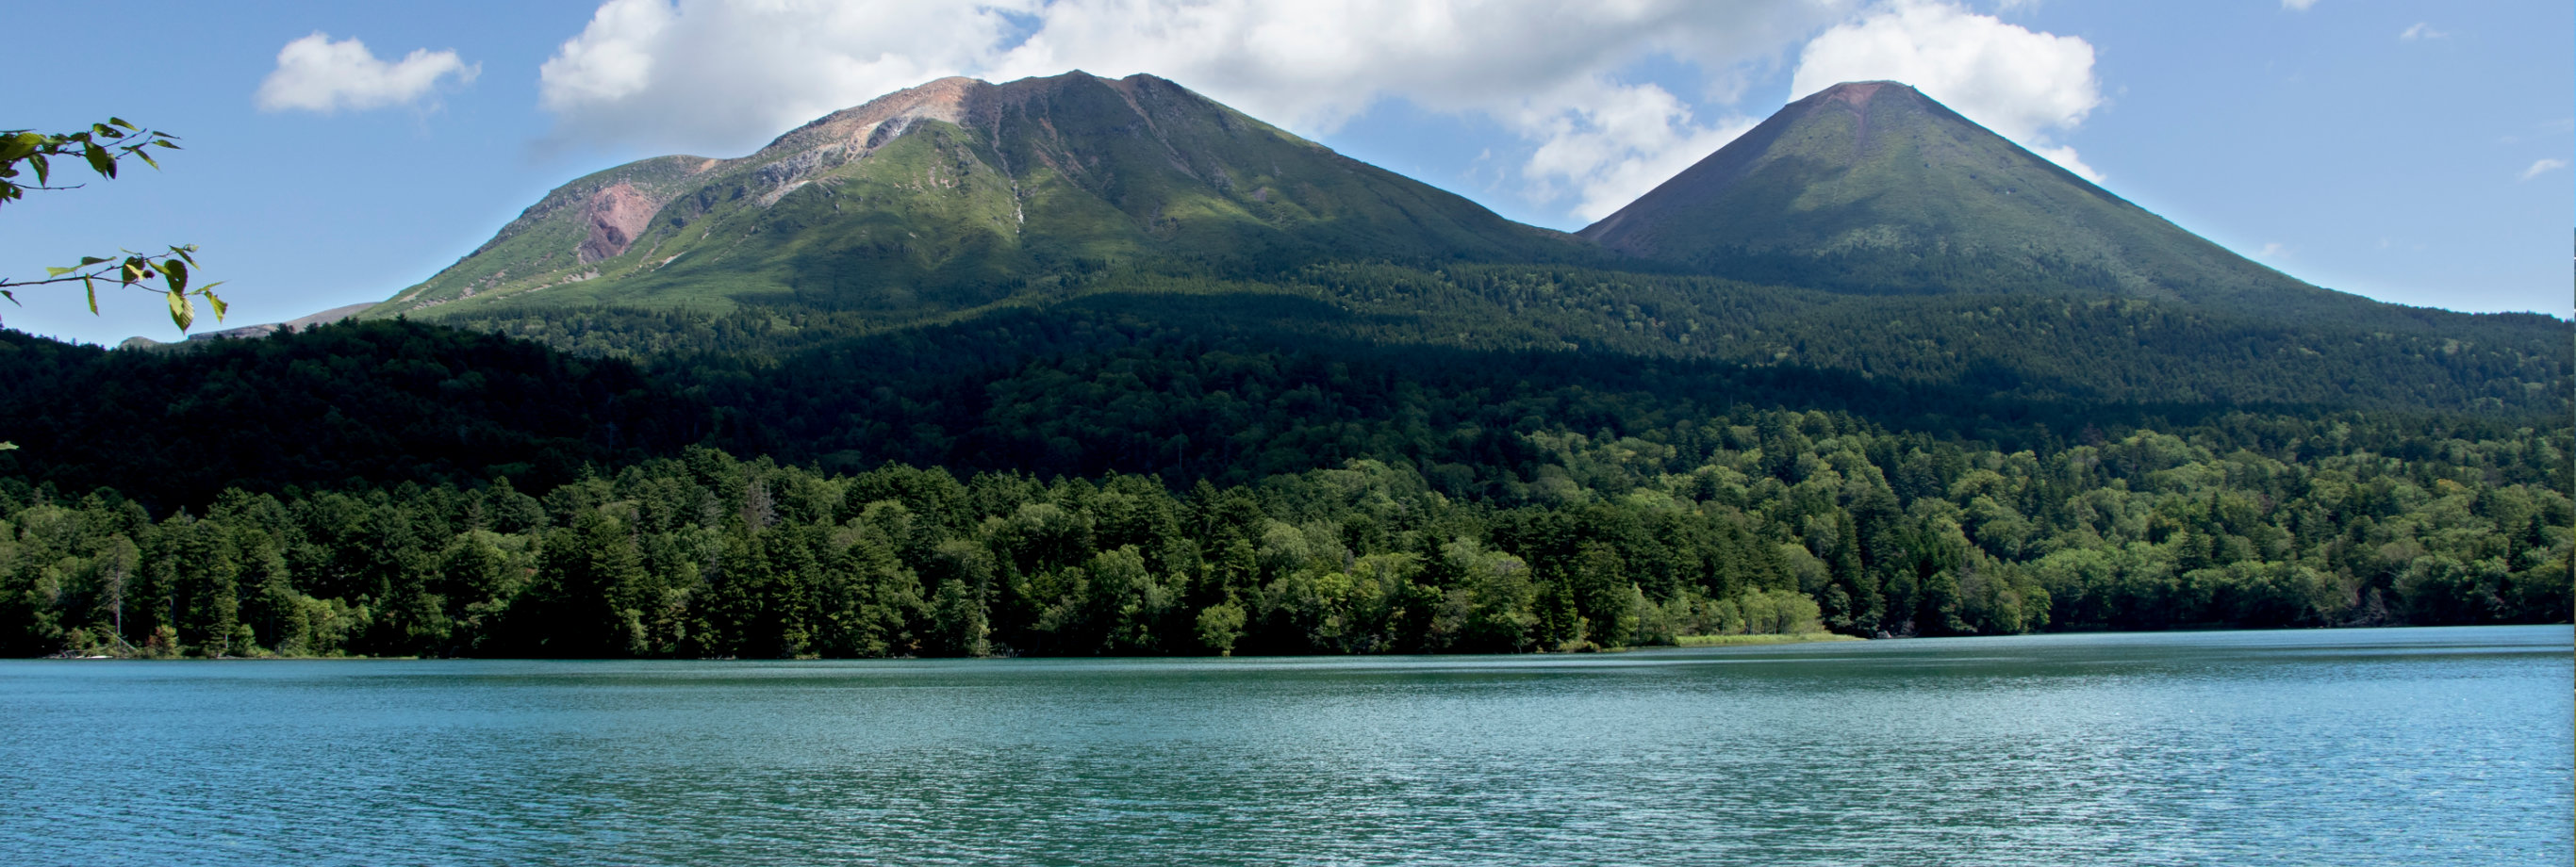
(1759, 639)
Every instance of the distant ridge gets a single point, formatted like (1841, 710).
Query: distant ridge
(325, 317)
(1872, 187)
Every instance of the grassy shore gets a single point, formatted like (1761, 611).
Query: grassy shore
(1768, 638)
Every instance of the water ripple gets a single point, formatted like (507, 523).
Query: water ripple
(2444, 746)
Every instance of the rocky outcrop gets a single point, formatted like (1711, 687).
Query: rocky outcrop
(615, 215)
(837, 139)
(947, 99)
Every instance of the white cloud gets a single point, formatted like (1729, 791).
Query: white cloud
(2025, 86)
(2543, 167)
(720, 76)
(1313, 65)
(317, 74)
(2422, 30)
(1622, 143)
(2271, 250)
(1547, 70)
(2298, 5)
(714, 76)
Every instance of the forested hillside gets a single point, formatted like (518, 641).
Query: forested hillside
(1231, 387)
(375, 403)
(1680, 337)
(1761, 521)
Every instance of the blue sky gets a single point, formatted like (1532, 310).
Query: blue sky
(2415, 152)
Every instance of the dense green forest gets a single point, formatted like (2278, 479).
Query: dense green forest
(1278, 469)
(1761, 521)
(375, 403)
(1231, 388)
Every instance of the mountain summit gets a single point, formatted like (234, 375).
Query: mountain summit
(960, 192)
(1872, 187)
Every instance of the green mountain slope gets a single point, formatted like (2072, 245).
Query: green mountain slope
(1902, 244)
(960, 193)
(1872, 187)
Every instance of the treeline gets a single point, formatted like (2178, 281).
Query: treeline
(1752, 521)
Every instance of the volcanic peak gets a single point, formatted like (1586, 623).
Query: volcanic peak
(1858, 93)
(955, 192)
(945, 100)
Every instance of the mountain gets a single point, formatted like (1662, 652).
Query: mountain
(1872, 187)
(1865, 230)
(960, 193)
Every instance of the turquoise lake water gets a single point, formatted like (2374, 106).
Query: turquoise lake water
(2346, 747)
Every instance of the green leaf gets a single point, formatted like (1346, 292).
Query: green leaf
(87, 261)
(93, 295)
(175, 273)
(51, 271)
(17, 147)
(118, 121)
(220, 307)
(99, 161)
(180, 312)
(43, 169)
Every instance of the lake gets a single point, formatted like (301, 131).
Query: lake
(2377, 746)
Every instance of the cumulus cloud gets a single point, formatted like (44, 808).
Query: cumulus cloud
(1547, 70)
(1314, 64)
(2543, 167)
(720, 76)
(317, 74)
(2025, 86)
(1622, 143)
(714, 76)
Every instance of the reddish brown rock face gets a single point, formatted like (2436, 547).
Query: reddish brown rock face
(616, 215)
(1857, 93)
